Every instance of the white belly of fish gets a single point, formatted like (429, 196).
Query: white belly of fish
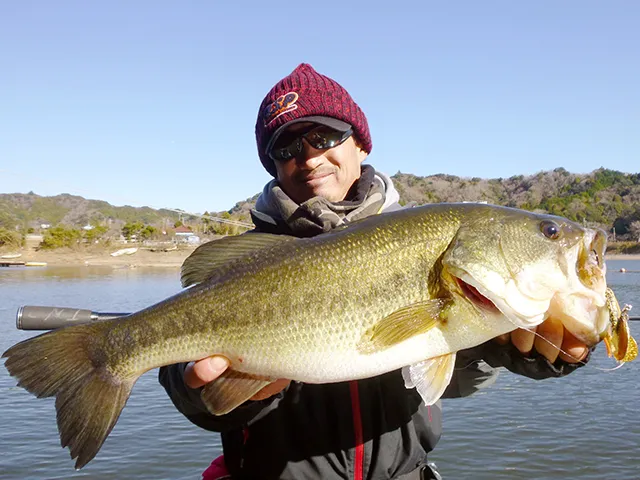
(326, 365)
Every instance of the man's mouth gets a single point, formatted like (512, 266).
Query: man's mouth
(315, 175)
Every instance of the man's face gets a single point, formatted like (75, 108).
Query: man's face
(326, 173)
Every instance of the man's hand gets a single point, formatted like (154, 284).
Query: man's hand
(208, 369)
(556, 338)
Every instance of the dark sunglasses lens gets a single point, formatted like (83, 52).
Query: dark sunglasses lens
(324, 138)
(286, 152)
(280, 154)
(289, 144)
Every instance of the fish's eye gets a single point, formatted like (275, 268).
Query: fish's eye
(550, 229)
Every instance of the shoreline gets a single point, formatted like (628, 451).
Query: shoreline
(622, 256)
(70, 258)
(142, 258)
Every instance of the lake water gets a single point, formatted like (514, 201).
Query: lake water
(584, 426)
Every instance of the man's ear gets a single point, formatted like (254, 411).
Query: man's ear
(362, 154)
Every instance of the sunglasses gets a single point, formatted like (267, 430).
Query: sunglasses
(289, 144)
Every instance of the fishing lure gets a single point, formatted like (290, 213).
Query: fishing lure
(620, 344)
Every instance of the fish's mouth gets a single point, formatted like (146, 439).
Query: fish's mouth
(590, 266)
(581, 307)
(475, 296)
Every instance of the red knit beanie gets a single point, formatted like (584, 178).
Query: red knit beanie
(306, 93)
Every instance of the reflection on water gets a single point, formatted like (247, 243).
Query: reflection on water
(584, 426)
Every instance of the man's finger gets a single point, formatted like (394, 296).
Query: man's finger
(552, 330)
(574, 348)
(199, 373)
(271, 389)
(523, 339)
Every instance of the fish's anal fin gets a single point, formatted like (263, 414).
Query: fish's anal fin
(430, 377)
(401, 325)
(230, 390)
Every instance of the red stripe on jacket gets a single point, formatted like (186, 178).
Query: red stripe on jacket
(358, 462)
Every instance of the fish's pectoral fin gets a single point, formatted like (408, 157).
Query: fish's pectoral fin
(230, 390)
(210, 257)
(401, 325)
(430, 377)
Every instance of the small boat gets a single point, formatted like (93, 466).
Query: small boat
(11, 255)
(7, 263)
(35, 264)
(125, 251)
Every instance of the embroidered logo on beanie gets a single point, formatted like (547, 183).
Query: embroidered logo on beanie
(285, 103)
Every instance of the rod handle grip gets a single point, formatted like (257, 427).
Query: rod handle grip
(30, 317)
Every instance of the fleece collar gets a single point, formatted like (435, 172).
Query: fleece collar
(276, 212)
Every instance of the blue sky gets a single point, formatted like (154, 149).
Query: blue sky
(154, 103)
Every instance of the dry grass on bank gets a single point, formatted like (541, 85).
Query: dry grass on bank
(144, 257)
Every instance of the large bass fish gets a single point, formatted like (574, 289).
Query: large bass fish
(399, 290)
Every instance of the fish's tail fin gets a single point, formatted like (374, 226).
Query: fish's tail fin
(69, 365)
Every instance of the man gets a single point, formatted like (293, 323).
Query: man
(313, 138)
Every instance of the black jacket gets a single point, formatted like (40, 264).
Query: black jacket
(371, 429)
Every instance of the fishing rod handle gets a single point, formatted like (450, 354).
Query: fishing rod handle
(31, 317)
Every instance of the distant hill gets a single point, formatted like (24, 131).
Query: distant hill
(604, 198)
(600, 197)
(27, 212)
(31, 210)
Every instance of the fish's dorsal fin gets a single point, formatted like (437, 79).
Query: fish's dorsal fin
(230, 390)
(430, 377)
(210, 257)
(402, 324)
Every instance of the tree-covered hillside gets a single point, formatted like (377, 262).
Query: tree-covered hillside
(605, 198)
(31, 210)
(602, 198)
